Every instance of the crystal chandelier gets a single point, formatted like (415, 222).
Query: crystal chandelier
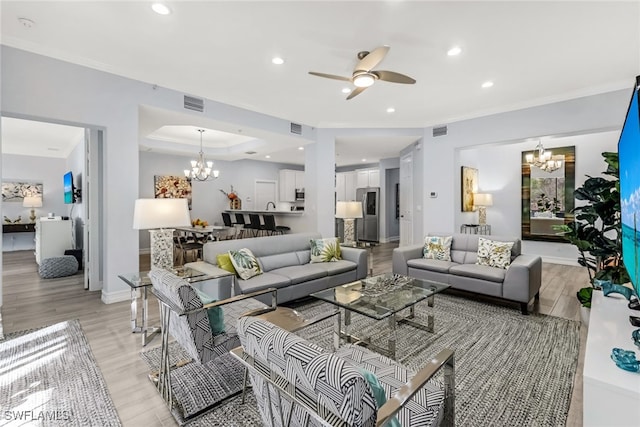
(201, 169)
(544, 159)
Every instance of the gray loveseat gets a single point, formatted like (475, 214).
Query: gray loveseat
(520, 282)
(284, 261)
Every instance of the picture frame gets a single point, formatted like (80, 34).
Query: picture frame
(468, 186)
(15, 191)
(172, 187)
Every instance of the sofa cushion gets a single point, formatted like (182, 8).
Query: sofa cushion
(304, 257)
(431, 264)
(245, 263)
(337, 267)
(262, 281)
(301, 273)
(437, 247)
(483, 272)
(325, 250)
(494, 253)
(272, 262)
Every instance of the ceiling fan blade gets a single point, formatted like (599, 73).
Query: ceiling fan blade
(373, 58)
(391, 76)
(330, 76)
(357, 91)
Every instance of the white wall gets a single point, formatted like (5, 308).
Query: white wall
(48, 171)
(499, 173)
(207, 201)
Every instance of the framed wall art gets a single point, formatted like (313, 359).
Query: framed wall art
(172, 187)
(469, 185)
(16, 191)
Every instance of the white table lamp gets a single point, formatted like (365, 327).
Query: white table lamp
(349, 211)
(159, 216)
(32, 202)
(481, 201)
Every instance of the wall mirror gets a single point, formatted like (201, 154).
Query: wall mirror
(547, 197)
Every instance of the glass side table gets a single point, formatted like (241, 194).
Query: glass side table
(475, 229)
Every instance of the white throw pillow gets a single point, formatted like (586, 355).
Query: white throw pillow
(493, 253)
(245, 263)
(437, 247)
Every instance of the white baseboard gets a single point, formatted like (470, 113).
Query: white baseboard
(118, 296)
(563, 261)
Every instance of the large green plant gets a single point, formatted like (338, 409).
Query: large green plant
(596, 231)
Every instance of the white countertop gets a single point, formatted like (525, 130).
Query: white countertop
(262, 211)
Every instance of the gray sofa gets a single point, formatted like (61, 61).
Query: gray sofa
(284, 261)
(520, 282)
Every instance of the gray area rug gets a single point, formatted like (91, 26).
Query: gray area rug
(511, 370)
(49, 377)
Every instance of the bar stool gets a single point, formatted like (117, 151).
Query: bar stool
(240, 224)
(255, 226)
(271, 227)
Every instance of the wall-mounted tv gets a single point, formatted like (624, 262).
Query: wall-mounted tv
(629, 158)
(69, 193)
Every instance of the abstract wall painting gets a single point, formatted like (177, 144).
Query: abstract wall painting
(172, 187)
(16, 191)
(469, 185)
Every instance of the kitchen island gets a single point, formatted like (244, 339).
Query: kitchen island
(295, 220)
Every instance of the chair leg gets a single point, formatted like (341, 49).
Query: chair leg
(244, 383)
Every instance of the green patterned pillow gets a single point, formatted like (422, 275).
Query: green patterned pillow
(245, 263)
(437, 247)
(325, 250)
(493, 253)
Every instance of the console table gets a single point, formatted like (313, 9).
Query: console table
(19, 228)
(610, 394)
(475, 228)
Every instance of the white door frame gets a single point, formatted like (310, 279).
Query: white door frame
(406, 199)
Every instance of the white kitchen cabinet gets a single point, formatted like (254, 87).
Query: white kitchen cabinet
(289, 181)
(346, 186)
(53, 237)
(368, 178)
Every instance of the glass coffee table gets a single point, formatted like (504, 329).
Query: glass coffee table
(382, 297)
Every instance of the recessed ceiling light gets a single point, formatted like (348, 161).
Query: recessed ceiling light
(277, 60)
(346, 90)
(267, 156)
(454, 51)
(161, 9)
(487, 84)
(364, 160)
(391, 110)
(300, 148)
(26, 22)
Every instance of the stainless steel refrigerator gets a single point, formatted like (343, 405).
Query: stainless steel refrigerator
(368, 227)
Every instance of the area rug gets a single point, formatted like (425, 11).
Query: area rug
(510, 369)
(49, 377)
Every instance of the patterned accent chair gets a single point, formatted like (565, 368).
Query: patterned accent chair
(185, 318)
(330, 388)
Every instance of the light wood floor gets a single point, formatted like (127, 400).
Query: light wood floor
(30, 302)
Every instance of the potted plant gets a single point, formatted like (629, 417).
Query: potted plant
(597, 229)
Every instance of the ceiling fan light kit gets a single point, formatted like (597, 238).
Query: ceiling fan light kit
(363, 76)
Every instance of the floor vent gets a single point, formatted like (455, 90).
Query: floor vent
(296, 128)
(195, 104)
(440, 131)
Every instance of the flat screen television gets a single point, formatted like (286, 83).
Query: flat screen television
(629, 158)
(69, 196)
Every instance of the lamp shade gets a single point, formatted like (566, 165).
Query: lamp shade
(32, 202)
(348, 210)
(482, 199)
(160, 213)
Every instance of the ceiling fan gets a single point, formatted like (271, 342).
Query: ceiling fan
(363, 74)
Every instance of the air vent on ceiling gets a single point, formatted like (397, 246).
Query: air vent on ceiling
(195, 104)
(440, 131)
(250, 152)
(296, 128)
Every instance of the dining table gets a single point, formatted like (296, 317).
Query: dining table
(210, 232)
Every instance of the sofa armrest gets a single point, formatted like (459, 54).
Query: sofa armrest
(360, 257)
(402, 255)
(523, 278)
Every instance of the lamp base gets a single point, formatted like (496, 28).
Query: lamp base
(162, 248)
(349, 231)
(482, 215)
(32, 218)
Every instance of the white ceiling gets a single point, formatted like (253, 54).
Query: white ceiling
(29, 138)
(534, 52)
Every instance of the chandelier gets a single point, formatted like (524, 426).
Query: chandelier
(201, 169)
(544, 159)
